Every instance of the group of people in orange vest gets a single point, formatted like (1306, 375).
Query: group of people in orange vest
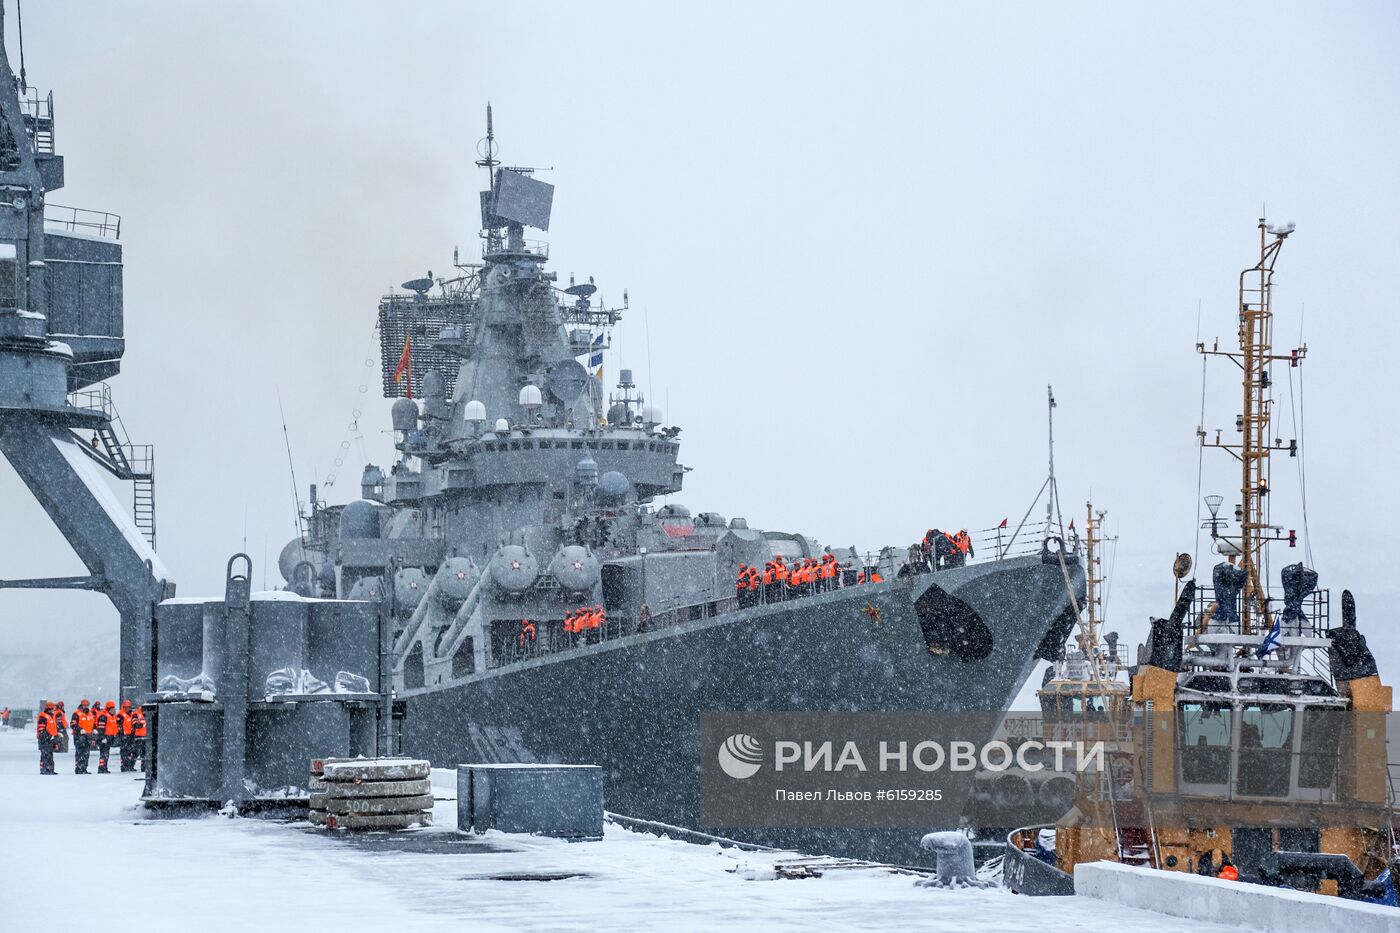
(778, 581)
(92, 725)
(580, 621)
(940, 550)
(587, 619)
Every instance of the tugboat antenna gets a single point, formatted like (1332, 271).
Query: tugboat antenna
(1255, 355)
(1093, 601)
(1052, 501)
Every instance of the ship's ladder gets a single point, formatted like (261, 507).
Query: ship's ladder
(111, 448)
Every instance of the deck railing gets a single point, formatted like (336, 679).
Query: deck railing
(83, 220)
(511, 643)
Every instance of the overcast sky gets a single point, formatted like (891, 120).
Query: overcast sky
(858, 243)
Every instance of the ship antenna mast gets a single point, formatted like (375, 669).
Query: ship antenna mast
(1053, 515)
(487, 149)
(1255, 355)
(1089, 625)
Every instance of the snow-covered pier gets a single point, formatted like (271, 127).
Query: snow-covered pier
(213, 874)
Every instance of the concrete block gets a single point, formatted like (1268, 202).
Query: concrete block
(377, 769)
(415, 804)
(550, 800)
(276, 639)
(1231, 903)
(343, 636)
(379, 821)
(189, 756)
(352, 789)
(282, 737)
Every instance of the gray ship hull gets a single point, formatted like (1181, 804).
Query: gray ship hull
(632, 705)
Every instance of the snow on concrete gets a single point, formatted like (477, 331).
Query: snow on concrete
(216, 874)
(1230, 902)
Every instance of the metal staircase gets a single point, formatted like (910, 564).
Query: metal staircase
(111, 448)
(38, 119)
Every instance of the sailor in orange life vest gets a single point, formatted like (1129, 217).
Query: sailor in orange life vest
(527, 633)
(959, 548)
(5, 717)
(138, 736)
(126, 726)
(748, 587)
(84, 724)
(46, 732)
(107, 730)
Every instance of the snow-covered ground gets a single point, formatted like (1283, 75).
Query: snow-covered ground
(214, 874)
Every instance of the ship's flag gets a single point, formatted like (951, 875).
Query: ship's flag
(1271, 640)
(402, 372)
(595, 360)
(1003, 523)
(1071, 524)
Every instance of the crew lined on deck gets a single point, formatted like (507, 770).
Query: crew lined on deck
(778, 580)
(585, 620)
(807, 576)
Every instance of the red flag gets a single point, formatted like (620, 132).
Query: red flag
(1003, 523)
(1071, 524)
(401, 372)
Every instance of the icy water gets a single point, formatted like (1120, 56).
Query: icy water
(214, 874)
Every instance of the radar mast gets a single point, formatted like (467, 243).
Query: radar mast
(1254, 356)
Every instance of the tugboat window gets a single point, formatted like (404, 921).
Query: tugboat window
(1322, 736)
(1266, 749)
(1205, 742)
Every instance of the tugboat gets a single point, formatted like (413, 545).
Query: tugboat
(1254, 745)
(1088, 685)
(1083, 698)
(547, 608)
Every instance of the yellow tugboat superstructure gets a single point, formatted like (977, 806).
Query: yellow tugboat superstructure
(1251, 744)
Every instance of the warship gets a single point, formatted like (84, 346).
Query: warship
(547, 607)
(543, 597)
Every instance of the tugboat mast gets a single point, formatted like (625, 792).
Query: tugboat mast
(1088, 637)
(1255, 354)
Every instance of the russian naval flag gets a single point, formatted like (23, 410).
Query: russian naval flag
(595, 361)
(1272, 639)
